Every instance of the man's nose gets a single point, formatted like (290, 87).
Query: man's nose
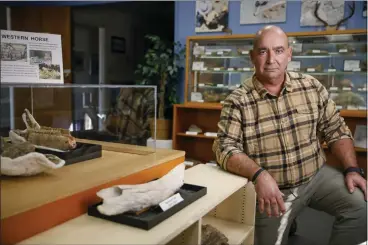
(270, 57)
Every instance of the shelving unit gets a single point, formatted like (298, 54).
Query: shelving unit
(229, 205)
(207, 115)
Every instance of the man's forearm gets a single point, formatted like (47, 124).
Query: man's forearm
(242, 165)
(345, 152)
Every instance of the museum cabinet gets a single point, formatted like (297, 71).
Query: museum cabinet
(216, 65)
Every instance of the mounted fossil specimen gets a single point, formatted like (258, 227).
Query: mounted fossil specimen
(328, 26)
(42, 136)
(123, 198)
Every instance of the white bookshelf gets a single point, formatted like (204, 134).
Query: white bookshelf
(229, 205)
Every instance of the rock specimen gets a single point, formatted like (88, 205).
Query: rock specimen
(212, 236)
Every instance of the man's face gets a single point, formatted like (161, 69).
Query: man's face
(271, 55)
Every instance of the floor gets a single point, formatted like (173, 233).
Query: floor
(314, 228)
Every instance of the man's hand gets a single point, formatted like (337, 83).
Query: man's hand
(353, 180)
(269, 196)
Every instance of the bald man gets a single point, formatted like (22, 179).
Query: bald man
(270, 131)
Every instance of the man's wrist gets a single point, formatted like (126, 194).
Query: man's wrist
(354, 170)
(256, 174)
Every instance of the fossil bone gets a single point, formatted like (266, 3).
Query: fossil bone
(123, 198)
(29, 164)
(56, 138)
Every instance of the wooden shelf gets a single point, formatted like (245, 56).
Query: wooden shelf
(235, 232)
(354, 113)
(196, 136)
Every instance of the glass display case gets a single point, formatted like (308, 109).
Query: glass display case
(218, 65)
(122, 114)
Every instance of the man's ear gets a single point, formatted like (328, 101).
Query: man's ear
(290, 53)
(251, 54)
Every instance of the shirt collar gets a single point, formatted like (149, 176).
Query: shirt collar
(254, 83)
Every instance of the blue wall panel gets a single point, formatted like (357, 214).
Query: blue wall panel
(185, 22)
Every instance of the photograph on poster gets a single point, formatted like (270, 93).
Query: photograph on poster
(40, 56)
(49, 71)
(255, 11)
(13, 52)
(331, 11)
(211, 15)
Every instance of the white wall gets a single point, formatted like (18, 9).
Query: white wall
(118, 68)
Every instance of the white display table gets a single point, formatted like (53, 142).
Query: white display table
(229, 205)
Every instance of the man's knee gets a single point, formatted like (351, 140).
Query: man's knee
(356, 207)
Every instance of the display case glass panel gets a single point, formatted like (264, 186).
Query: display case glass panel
(218, 65)
(122, 114)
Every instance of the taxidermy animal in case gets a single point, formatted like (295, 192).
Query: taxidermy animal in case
(56, 138)
(123, 198)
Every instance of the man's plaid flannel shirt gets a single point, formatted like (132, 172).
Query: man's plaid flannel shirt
(281, 134)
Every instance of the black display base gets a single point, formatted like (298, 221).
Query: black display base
(154, 215)
(82, 152)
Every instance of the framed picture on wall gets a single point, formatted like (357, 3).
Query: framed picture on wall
(118, 44)
(255, 12)
(211, 15)
(330, 11)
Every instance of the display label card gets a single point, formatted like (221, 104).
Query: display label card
(204, 69)
(246, 69)
(294, 66)
(197, 65)
(216, 69)
(30, 57)
(346, 89)
(357, 69)
(339, 107)
(198, 50)
(196, 96)
(351, 65)
(191, 133)
(297, 47)
(220, 85)
(220, 52)
(334, 88)
(201, 84)
(208, 53)
(245, 52)
(171, 201)
(343, 50)
(331, 70)
(311, 69)
(230, 69)
(210, 134)
(316, 51)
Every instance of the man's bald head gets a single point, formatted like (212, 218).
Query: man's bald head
(274, 31)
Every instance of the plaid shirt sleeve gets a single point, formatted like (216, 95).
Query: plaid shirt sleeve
(331, 126)
(229, 139)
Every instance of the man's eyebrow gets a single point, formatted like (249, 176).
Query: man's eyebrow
(279, 47)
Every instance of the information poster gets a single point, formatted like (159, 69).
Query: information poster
(29, 57)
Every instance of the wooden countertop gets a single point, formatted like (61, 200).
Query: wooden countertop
(19, 194)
